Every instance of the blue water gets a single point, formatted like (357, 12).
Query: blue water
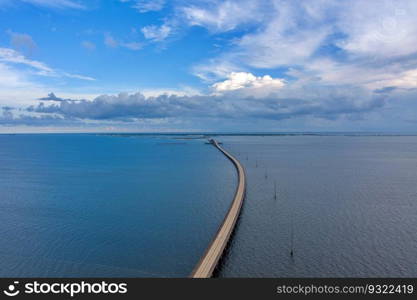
(349, 203)
(96, 205)
(146, 206)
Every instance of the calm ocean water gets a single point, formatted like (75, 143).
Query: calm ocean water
(85, 205)
(351, 202)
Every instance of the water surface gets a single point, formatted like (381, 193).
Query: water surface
(96, 205)
(351, 201)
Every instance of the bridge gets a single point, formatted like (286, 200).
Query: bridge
(208, 262)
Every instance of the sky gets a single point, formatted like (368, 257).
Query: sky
(208, 65)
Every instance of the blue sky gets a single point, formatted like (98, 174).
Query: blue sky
(208, 65)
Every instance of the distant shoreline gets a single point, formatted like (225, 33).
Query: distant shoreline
(206, 135)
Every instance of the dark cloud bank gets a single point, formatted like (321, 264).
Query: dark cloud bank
(328, 103)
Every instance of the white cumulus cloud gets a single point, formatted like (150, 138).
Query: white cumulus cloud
(240, 80)
(368, 43)
(156, 33)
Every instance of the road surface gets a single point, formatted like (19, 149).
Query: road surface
(208, 262)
